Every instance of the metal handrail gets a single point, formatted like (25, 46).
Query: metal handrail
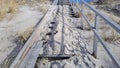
(97, 37)
(109, 51)
(106, 18)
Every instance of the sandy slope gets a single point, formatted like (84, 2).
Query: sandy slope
(24, 20)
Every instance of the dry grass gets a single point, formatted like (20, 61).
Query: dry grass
(110, 35)
(118, 22)
(112, 1)
(7, 6)
(79, 14)
(25, 35)
(44, 8)
(91, 16)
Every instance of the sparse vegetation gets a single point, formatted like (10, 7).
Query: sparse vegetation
(119, 22)
(91, 16)
(110, 35)
(7, 6)
(25, 35)
(44, 8)
(10, 6)
(105, 1)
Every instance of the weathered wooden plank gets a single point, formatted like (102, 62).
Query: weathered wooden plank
(6, 63)
(32, 56)
(55, 55)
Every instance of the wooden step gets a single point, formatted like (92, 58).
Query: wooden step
(56, 57)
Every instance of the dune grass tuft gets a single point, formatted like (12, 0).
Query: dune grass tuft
(7, 6)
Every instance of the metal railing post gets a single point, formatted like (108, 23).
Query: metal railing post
(72, 2)
(95, 41)
(81, 21)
